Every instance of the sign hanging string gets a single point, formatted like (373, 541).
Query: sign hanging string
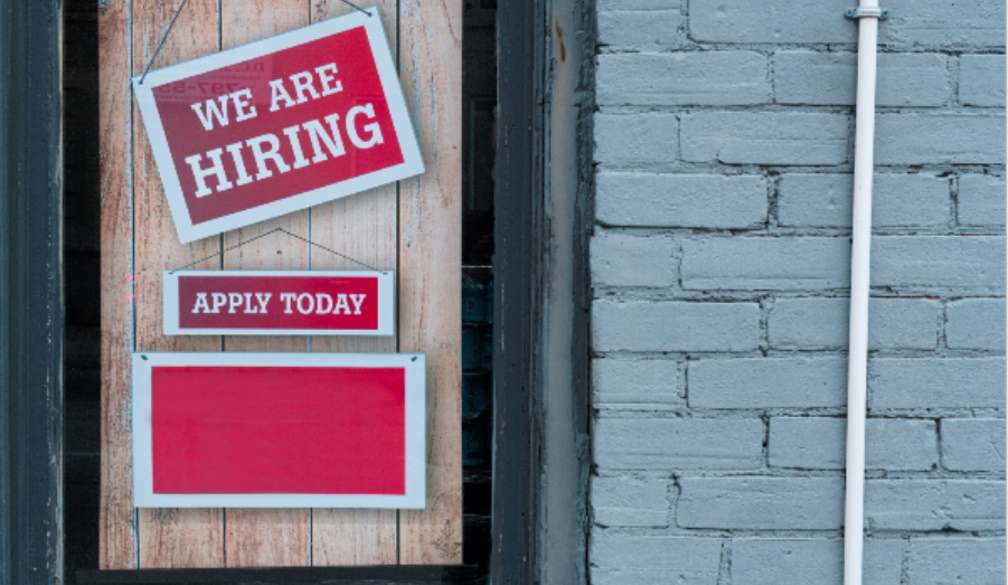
(171, 24)
(273, 231)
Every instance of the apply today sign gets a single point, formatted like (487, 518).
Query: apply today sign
(278, 302)
(278, 125)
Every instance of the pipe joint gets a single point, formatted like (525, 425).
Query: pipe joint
(861, 12)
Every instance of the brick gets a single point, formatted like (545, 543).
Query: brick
(772, 561)
(941, 24)
(822, 323)
(678, 443)
(976, 324)
(782, 138)
(770, 21)
(630, 501)
(640, 384)
(918, 24)
(682, 78)
(936, 383)
(904, 79)
(642, 5)
(650, 30)
(636, 140)
(898, 200)
(973, 264)
(761, 503)
(620, 260)
(947, 561)
(767, 383)
(973, 444)
(643, 559)
(675, 326)
(761, 263)
(931, 138)
(819, 443)
(982, 80)
(981, 201)
(917, 504)
(672, 200)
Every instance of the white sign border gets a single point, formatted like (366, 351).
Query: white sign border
(412, 164)
(415, 436)
(386, 302)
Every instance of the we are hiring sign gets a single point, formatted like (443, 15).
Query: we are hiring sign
(278, 125)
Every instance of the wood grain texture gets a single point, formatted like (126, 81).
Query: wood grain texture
(116, 525)
(362, 227)
(413, 228)
(168, 538)
(430, 49)
(281, 537)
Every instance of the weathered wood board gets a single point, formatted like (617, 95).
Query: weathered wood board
(412, 227)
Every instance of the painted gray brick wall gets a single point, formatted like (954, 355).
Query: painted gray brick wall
(720, 267)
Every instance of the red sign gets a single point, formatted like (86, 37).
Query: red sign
(245, 302)
(279, 430)
(278, 125)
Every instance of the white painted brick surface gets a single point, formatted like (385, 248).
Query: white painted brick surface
(915, 139)
(981, 200)
(675, 326)
(929, 505)
(630, 501)
(973, 444)
(724, 145)
(909, 383)
(982, 80)
(649, 384)
(710, 78)
(763, 503)
(947, 560)
(678, 443)
(946, 263)
(773, 138)
(919, 200)
(904, 79)
(976, 324)
(822, 323)
(636, 141)
(680, 200)
(819, 443)
(911, 24)
(732, 383)
(649, 30)
(621, 558)
(619, 260)
(791, 263)
(773, 561)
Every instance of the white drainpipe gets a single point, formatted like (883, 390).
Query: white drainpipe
(868, 15)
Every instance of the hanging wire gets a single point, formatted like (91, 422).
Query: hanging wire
(163, 39)
(179, 11)
(273, 231)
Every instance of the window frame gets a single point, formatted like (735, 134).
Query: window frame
(541, 297)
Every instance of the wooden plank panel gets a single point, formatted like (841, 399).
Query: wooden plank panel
(362, 227)
(430, 48)
(116, 526)
(169, 538)
(265, 538)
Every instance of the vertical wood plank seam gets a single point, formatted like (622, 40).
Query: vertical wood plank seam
(221, 243)
(131, 182)
(398, 258)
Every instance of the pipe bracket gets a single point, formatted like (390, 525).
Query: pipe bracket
(860, 12)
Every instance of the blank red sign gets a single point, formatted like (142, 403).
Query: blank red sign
(289, 430)
(248, 430)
